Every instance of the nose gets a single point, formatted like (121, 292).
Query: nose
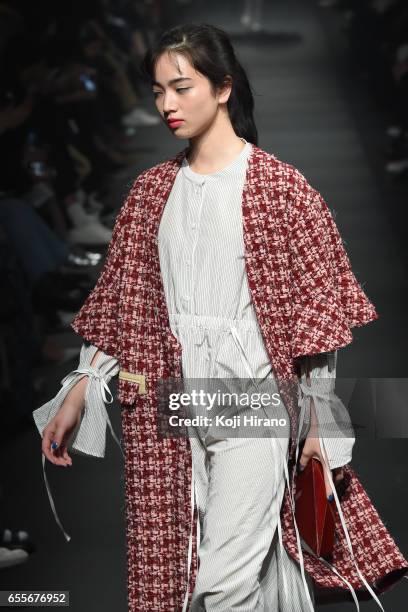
(169, 103)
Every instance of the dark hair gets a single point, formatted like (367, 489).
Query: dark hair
(210, 51)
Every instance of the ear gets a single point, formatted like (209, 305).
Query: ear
(224, 91)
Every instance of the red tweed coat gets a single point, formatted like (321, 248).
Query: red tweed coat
(306, 298)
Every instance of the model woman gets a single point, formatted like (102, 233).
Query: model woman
(224, 263)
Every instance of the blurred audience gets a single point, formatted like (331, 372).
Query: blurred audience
(70, 116)
(70, 112)
(377, 33)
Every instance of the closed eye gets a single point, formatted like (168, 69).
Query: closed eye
(156, 93)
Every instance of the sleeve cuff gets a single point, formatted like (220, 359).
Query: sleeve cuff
(89, 437)
(335, 426)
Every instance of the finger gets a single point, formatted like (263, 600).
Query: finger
(329, 490)
(326, 468)
(48, 436)
(63, 450)
(60, 454)
(56, 443)
(65, 455)
(303, 461)
(338, 475)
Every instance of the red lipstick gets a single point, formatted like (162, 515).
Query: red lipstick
(174, 123)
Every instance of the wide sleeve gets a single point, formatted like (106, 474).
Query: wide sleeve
(334, 424)
(326, 298)
(89, 437)
(97, 321)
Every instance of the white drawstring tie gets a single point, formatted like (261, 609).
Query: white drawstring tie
(190, 541)
(319, 396)
(92, 409)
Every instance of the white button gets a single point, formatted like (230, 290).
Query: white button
(186, 297)
(193, 225)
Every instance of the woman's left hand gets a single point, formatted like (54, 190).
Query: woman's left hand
(311, 449)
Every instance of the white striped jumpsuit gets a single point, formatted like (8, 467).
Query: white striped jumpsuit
(239, 480)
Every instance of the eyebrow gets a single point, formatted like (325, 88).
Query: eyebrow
(177, 80)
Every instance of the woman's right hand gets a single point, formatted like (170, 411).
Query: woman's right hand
(62, 426)
(59, 430)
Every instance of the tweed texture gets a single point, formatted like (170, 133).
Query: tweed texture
(306, 298)
(375, 552)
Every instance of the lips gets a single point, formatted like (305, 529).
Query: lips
(174, 122)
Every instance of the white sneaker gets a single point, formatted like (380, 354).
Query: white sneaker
(139, 117)
(92, 233)
(93, 256)
(80, 263)
(8, 557)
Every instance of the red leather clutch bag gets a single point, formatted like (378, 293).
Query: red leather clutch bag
(313, 512)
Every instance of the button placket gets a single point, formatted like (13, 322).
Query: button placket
(194, 239)
(190, 246)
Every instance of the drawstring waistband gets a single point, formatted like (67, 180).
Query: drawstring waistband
(184, 320)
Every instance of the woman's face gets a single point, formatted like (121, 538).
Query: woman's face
(181, 92)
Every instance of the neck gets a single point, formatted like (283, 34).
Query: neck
(214, 149)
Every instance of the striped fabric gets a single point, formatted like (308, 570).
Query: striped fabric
(89, 438)
(201, 243)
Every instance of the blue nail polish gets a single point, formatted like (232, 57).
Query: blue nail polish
(54, 445)
(330, 497)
